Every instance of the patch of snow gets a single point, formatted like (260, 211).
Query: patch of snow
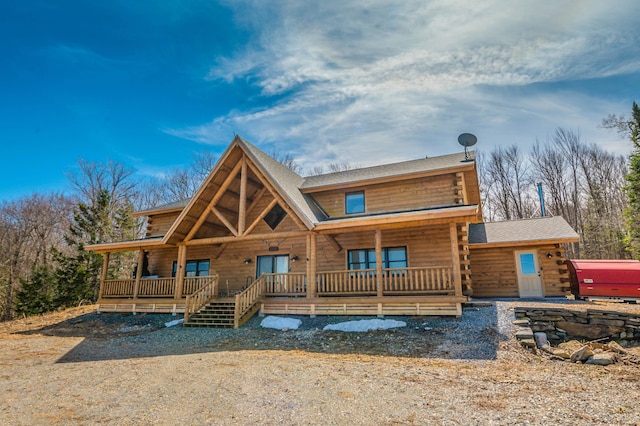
(362, 326)
(174, 322)
(280, 323)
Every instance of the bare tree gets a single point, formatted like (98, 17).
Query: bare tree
(508, 186)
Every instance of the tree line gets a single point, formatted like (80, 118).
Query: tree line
(43, 264)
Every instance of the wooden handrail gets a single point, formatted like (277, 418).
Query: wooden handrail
(247, 299)
(196, 301)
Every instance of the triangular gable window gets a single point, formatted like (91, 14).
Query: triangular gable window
(275, 216)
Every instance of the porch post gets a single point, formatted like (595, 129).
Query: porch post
(455, 259)
(311, 265)
(180, 270)
(105, 270)
(136, 285)
(379, 262)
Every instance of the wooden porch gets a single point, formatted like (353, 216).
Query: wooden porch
(391, 291)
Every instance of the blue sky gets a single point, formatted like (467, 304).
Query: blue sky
(151, 83)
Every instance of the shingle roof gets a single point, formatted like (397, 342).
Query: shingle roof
(287, 180)
(546, 228)
(169, 206)
(386, 170)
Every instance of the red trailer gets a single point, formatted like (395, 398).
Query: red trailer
(612, 279)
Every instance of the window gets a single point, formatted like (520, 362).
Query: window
(275, 216)
(193, 268)
(392, 257)
(354, 202)
(278, 264)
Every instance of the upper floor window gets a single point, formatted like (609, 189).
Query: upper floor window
(354, 202)
(193, 268)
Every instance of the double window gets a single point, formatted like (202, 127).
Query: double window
(392, 257)
(193, 268)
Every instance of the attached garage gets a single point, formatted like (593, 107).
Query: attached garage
(521, 258)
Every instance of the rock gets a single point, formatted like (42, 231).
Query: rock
(604, 358)
(615, 347)
(528, 343)
(540, 338)
(611, 322)
(562, 353)
(590, 331)
(525, 333)
(571, 345)
(543, 326)
(581, 354)
(521, 322)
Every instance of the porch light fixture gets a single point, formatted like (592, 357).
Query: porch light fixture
(294, 258)
(549, 255)
(247, 261)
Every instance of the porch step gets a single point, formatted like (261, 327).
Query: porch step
(213, 315)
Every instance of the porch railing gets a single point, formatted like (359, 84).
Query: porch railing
(361, 281)
(118, 288)
(418, 280)
(247, 299)
(153, 287)
(290, 284)
(194, 302)
(157, 287)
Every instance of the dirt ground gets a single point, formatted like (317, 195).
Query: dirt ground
(80, 367)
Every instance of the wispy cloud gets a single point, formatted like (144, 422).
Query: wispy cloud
(368, 81)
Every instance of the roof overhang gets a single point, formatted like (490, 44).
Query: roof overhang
(147, 243)
(467, 213)
(522, 243)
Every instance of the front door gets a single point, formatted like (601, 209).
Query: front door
(529, 275)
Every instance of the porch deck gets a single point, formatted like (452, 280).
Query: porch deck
(400, 291)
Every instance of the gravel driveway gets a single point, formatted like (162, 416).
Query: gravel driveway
(124, 369)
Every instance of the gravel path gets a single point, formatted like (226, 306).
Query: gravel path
(434, 371)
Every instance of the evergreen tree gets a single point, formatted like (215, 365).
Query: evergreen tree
(36, 295)
(78, 273)
(632, 189)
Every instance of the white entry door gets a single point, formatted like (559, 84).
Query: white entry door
(529, 275)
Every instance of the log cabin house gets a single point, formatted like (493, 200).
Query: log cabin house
(383, 240)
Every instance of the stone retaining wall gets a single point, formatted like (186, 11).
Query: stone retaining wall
(592, 324)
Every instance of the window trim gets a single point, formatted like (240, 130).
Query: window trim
(346, 202)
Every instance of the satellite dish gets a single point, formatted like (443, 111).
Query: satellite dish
(467, 140)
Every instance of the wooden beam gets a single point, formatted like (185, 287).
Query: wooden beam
(463, 186)
(378, 238)
(181, 270)
(224, 220)
(136, 285)
(455, 258)
(261, 216)
(334, 243)
(105, 271)
(242, 207)
(250, 237)
(311, 265)
(284, 205)
(213, 201)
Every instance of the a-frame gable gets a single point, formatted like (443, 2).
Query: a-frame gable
(234, 199)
